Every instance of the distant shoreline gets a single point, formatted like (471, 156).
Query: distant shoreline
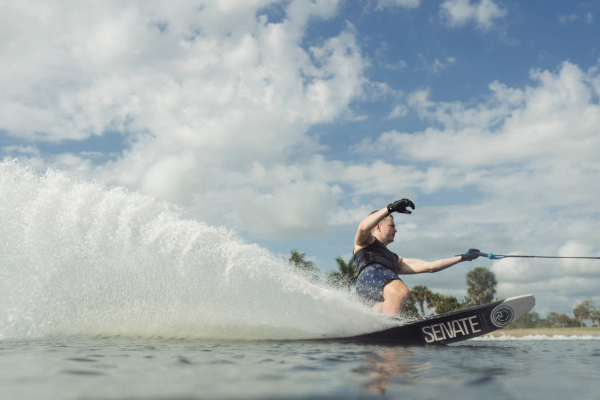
(585, 331)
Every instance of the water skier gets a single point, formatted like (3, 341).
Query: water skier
(378, 283)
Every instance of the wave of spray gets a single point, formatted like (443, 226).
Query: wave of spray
(78, 258)
(536, 337)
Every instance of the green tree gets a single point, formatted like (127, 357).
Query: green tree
(481, 285)
(529, 320)
(346, 274)
(595, 315)
(420, 295)
(552, 318)
(563, 320)
(466, 302)
(443, 304)
(583, 310)
(410, 310)
(305, 267)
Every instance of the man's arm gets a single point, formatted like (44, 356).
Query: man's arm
(408, 266)
(415, 266)
(364, 236)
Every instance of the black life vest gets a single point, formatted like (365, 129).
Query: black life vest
(376, 253)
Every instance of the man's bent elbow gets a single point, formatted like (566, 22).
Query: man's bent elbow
(430, 268)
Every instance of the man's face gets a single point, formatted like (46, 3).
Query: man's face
(387, 230)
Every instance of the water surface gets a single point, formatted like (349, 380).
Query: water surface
(121, 368)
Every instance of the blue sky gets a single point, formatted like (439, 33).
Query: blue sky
(288, 122)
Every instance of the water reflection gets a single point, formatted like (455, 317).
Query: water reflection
(389, 364)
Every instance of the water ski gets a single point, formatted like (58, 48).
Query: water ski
(455, 326)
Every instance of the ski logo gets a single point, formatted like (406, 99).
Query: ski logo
(444, 330)
(502, 315)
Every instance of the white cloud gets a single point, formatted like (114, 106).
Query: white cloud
(296, 208)
(567, 19)
(21, 150)
(571, 18)
(381, 4)
(460, 12)
(398, 111)
(520, 125)
(436, 66)
(202, 93)
(396, 66)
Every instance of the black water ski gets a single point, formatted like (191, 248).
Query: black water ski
(455, 326)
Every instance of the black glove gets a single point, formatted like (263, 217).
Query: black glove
(400, 206)
(469, 256)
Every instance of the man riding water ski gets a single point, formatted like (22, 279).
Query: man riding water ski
(378, 283)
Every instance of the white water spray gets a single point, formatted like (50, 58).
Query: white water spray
(77, 258)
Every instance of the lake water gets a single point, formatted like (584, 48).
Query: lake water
(120, 368)
(106, 294)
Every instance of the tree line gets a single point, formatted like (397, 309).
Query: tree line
(585, 310)
(481, 286)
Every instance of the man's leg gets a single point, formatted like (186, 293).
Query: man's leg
(395, 295)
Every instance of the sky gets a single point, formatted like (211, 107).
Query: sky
(289, 121)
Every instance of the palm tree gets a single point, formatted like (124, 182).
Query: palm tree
(552, 318)
(434, 301)
(346, 274)
(481, 285)
(443, 304)
(410, 310)
(584, 310)
(298, 261)
(421, 294)
(563, 320)
(595, 315)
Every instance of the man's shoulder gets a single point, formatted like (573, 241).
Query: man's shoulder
(358, 248)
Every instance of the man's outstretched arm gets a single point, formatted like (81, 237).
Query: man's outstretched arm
(408, 266)
(415, 266)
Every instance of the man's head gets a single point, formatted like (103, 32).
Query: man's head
(385, 230)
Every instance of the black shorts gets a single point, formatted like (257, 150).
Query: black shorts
(370, 282)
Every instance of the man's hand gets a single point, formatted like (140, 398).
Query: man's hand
(400, 206)
(470, 255)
